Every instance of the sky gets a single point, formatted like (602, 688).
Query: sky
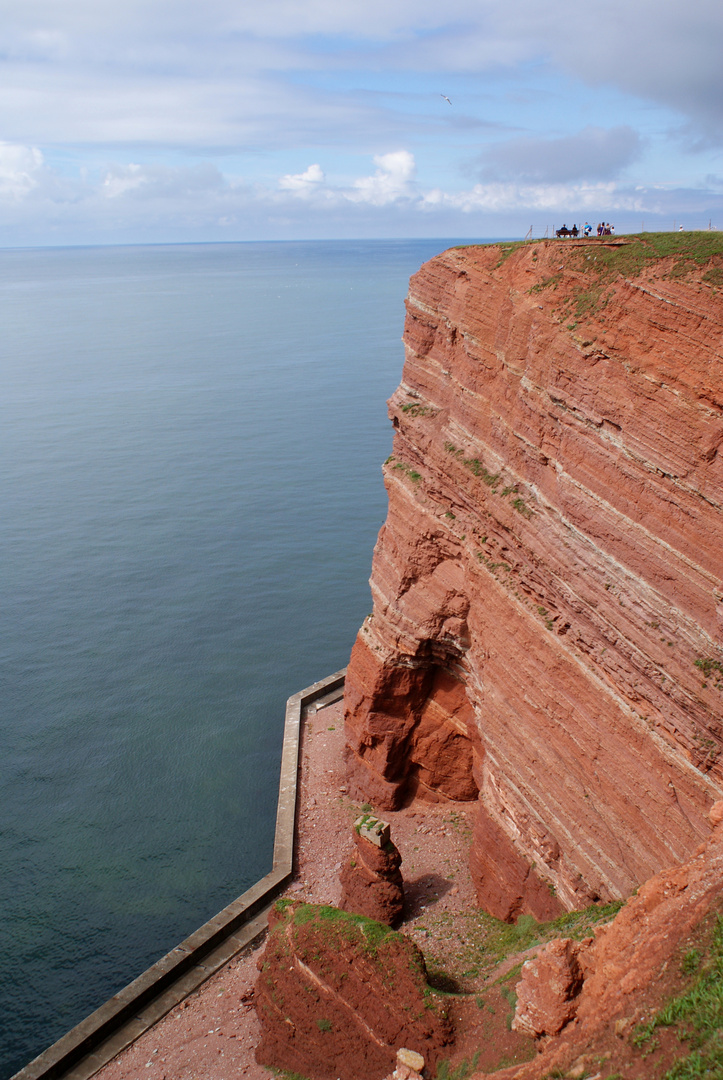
(153, 121)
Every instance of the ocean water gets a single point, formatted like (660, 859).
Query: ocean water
(190, 442)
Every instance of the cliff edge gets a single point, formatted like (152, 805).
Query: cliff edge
(547, 632)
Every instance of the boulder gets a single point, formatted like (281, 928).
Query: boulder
(338, 994)
(548, 991)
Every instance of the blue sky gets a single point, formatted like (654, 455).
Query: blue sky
(172, 120)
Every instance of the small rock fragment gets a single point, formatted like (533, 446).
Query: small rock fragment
(578, 1069)
(373, 829)
(410, 1058)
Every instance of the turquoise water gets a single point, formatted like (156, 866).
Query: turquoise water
(190, 442)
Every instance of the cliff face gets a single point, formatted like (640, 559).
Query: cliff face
(548, 598)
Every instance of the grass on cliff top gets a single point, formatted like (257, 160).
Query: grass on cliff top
(695, 1016)
(642, 250)
(636, 252)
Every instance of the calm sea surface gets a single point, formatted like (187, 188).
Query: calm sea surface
(190, 442)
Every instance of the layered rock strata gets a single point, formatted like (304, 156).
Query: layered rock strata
(548, 604)
(339, 995)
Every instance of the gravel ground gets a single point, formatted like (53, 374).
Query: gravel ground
(212, 1034)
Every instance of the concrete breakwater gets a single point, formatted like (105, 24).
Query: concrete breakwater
(88, 1046)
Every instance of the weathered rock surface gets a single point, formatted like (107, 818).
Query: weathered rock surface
(626, 957)
(409, 1066)
(549, 574)
(371, 881)
(547, 992)
(338, 995)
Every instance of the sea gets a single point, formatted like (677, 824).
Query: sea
(190, 491)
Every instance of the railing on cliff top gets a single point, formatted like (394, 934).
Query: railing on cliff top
(93, 1042)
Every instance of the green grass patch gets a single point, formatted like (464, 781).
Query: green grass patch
(714, 276)
(522, 508)
(408, 471)
(511, 998)
(690, 962)
(547, 283)
(415, 408)
(697, 1016)
(690, 250)
(460, 1072)
(367, 932)
(707, 665)
(588, 301)
(512, 975)
(507, 249)
(474, 465)
(492, 940)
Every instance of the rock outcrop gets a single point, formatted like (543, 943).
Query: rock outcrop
(371, 880)
(338, 995)
(613, 970)
(547, 993)
(548, 604)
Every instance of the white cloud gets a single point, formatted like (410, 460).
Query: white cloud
(122, 178)
(392, 183)
(161, 181)
(200, 196)
(302, 183)
(392, 180)
(21, 169)
(176, 72)
(560, 198)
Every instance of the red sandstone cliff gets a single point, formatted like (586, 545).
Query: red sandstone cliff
(548, 598)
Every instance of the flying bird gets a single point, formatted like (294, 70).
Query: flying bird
(446, 98)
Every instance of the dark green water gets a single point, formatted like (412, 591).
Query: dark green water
(190, 442)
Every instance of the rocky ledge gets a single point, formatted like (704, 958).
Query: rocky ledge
(547, 629)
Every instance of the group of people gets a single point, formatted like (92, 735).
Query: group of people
(604, 229)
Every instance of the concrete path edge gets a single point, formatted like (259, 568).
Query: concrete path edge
(93, 1042)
